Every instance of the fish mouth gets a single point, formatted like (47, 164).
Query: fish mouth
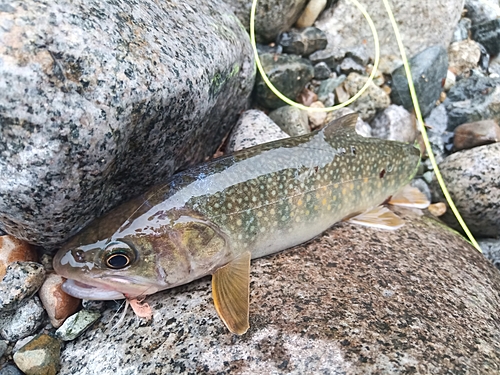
(85, 291)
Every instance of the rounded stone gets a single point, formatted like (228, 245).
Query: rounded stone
(39, 356)
(291, 120)
(76, 324)
(472, 177)
(12, 250)
(394, 123)
(372, 100)
(355, 300)
(24, 321)
(56, 302)
(463, 56)
(22, 280)
(475, 134)
(105, 99)
(253, 128)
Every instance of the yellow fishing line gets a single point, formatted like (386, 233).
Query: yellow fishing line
(363, 89)
(301, 106)
(422, 128)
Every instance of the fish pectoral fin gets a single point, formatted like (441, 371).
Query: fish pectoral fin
(378, 217)
(410, 196)
(231, 293)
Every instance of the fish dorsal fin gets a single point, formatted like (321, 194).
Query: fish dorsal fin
(345, 124)
(378, 217)
(231, 293)
(410, 196)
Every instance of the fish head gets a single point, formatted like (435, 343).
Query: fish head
(132, 256)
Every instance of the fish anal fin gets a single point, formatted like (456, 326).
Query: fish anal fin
(231, 293)
(410, 196)
(378, 217)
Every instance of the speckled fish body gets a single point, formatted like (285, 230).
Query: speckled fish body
(262, 200)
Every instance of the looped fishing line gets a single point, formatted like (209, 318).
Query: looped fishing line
(363, 89)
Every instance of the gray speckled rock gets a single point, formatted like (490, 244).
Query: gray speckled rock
(288, 73)
(22, 281)
(422, 23)
(292, 120)
(271, 17)
(24, 321)
(428, 70)
(76, 324)
(372, 100)
(491, 250)
(473, 99)
(105, 98)
(253, 128)
(473, 177)
(10, 370)
(394, 123)
(462, 30)
(303, 42)
(354, 301)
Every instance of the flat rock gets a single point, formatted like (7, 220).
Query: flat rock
(288, 73)
(472, 179)
(303, 42)
(271, 16)
(473, 99)
(422, 23)
(428, 70)
(39, 356)
(353, 301)
(475, 134)
(106, 98)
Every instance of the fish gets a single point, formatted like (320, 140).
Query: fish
(212, 219)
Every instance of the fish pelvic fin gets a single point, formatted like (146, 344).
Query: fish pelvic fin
(379, 217)
(231, 293)
(410, 196)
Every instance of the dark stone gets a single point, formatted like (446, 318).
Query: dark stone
(288, 73)
(328, 86)
(428, 70)
(488, 34)
(107, 98)
(10, 370)
(322, 71)
(473, 99)
(349, 65)
(331, 57)
(356, 300)
(462, 30)
(303, 42)
(39, 356)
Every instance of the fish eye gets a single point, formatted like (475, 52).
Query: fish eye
(118, 255)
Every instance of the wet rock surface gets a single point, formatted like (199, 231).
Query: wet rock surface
(22, 322)
(475, 134)
(356, 300)
(104, 100)
(475, 190)
(22, 280)
(422, 24)
(428, 70)
(288, 73)
(39, 356)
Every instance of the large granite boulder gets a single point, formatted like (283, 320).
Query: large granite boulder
(101, 99)
(422, 23)
(353, 301)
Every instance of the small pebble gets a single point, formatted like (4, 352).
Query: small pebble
(291, 120)
(76, 324)
(12, 250)
(328, 86)
(341, 94)
(57, 303)
(253, 128)
(303, 42)
(24, 321)
(475, 134)
(310, 13)
(307, 97)
(371, 101)
(463, 56)
(316, 119)
(3, 347)
(39, 356)
(322, 71)
(488, 34)
(450, 80)
(437, 209)
(394, 123)
(349, 65)
(22, 280)
(491, 249)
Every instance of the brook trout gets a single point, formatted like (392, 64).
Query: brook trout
(215, 217)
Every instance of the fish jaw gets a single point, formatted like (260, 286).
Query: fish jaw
(89, 292)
